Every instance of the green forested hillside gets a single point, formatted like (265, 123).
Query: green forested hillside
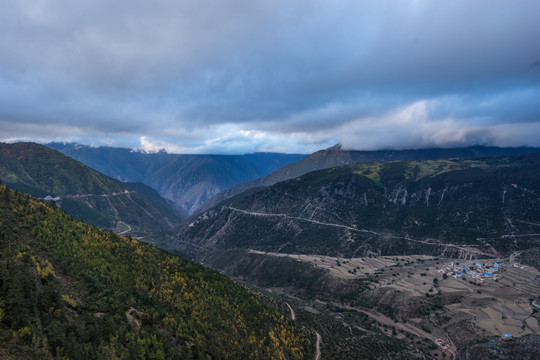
(85, 193)
(43, 171)
(70, 290)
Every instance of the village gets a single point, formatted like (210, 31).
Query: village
(476, 272)
(497, 297)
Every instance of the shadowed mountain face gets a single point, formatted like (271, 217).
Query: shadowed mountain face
(187, 180)
(85, 193)
(336, 156)
(191, 180)
(460, 208)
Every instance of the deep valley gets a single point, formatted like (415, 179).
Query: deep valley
(423, 259)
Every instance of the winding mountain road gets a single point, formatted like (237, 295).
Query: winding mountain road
(77, 196)
(319, 338)
(293, 315)
(299, 218)
(465, 249)
(318, 346)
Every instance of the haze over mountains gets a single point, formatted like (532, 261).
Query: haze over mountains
(188, 199)
(123, 288)
(187, 180)
(201, 181)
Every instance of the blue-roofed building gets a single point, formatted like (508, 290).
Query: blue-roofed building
(459, 273)
(480, 264)
(464, 267)
(488, 274)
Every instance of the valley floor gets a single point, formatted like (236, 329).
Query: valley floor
(437, 304)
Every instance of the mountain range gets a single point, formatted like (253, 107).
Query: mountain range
(345, 259)
(454, 208)
(380, 245)
(336, 156)
(188, 180)
(70, 290)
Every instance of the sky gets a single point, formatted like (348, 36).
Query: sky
(296, 76)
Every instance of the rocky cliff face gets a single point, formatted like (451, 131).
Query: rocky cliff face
(461, 208)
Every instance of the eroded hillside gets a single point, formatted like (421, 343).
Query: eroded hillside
(459, 208)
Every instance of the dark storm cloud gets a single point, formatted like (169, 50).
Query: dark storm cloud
(240, 76)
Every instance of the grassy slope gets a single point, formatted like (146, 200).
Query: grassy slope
(69, 289)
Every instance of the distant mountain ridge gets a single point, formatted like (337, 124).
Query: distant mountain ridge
(462, 208)
(84, 192)
(336, 156)
(187, 180)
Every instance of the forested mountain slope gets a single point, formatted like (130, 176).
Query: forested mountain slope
(460, 208)
(84, 192)
(70, 290)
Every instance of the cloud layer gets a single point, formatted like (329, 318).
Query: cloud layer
(296, 76)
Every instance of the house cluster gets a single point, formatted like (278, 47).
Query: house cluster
(477, 271)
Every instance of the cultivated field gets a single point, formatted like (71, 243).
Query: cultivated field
(502, 302)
